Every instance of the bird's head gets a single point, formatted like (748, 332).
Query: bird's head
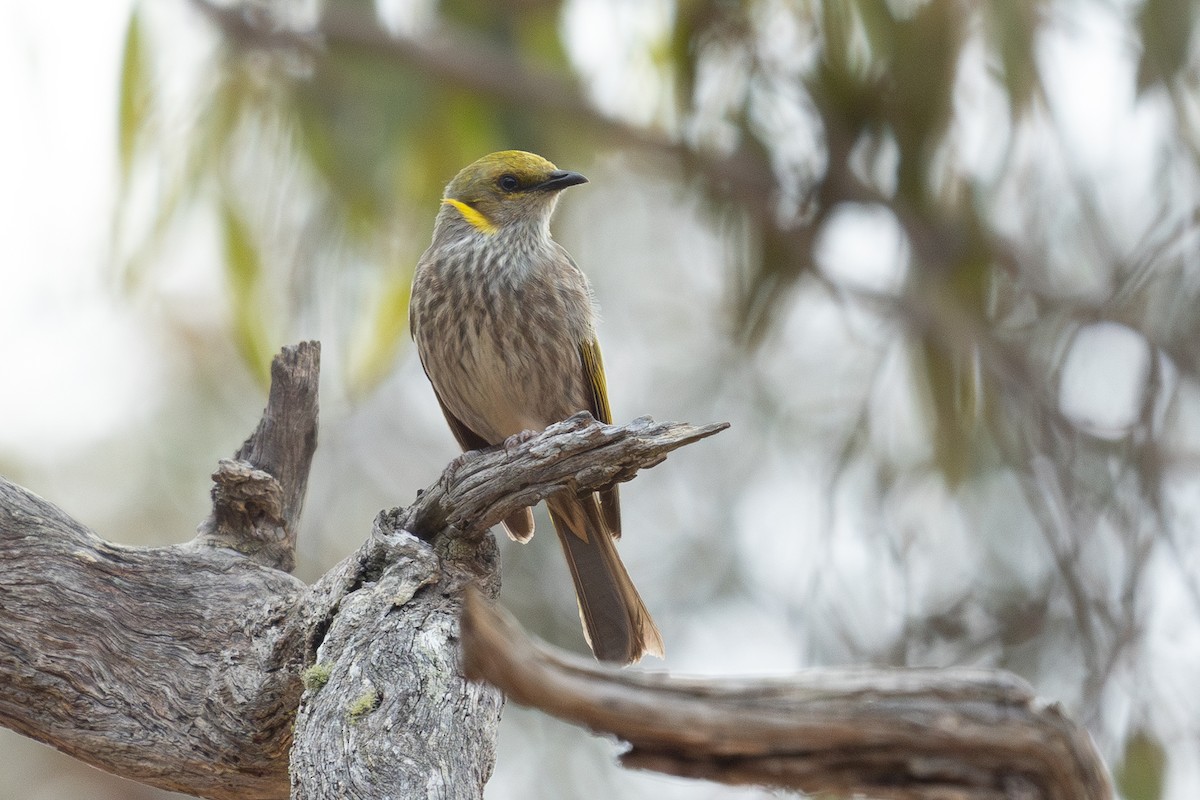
(507, 188)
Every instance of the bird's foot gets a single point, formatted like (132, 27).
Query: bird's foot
(518, 439)
(457, 462)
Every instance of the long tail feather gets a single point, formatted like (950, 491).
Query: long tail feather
(615, 620)
(519, 525)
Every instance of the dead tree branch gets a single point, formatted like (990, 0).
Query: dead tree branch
(204, 667)
(168, 665)
(378, 698)
(258, 496)
(898, 734)
(580, 454)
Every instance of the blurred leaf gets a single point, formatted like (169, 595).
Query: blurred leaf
(927, 50)
(1140, 773)
(846, 86)
(458, 129)
(537, 35)
(375, 354)
(1013, 26)
(968, 253)
(954, 399)
(879, 27)
(691, 16)
(784, 255)
(698, 24)
(243, 267)
(183, 171)
(528, 28)
(135, 94)
(244, 272)
(488, 19)
(839, 24)
(1166, 31)
(353, 113)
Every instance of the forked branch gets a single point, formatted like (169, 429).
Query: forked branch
(205, 668)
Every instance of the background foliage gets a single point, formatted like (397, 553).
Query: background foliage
(936, 259)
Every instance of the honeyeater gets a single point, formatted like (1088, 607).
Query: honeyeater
(504, 323)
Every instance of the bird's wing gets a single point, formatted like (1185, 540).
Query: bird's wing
(467, 439)
(519, 524)
(593, 373)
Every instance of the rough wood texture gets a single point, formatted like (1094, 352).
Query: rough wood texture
(900, 734)
(483, 487)
(388, 712)
(387, 699)
(258, 495)
(185, 667)
(146, 662)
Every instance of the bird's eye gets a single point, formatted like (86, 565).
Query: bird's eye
(508, 183)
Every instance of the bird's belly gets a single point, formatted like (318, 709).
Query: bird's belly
(499, 389)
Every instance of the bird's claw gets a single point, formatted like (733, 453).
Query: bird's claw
(518, 439)
(460, 459)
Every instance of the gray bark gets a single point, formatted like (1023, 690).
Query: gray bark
(389, 713)
(897, 734)
(145, 662)
(388, 698)
(175, 666)
(204, 667)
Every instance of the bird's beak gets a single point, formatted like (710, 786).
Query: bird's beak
(561, 179)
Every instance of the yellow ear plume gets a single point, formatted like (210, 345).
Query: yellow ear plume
(472, 215)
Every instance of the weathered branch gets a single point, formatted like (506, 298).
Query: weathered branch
(388, 691)
(145, 662)
(168, 665)
(258, 496)
(192, 667)
(388, 712)
(480, 489)
(182, 666)
(902, 734)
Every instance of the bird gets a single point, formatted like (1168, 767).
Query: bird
(504, 323)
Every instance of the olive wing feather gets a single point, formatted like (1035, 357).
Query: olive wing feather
(593, 372)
